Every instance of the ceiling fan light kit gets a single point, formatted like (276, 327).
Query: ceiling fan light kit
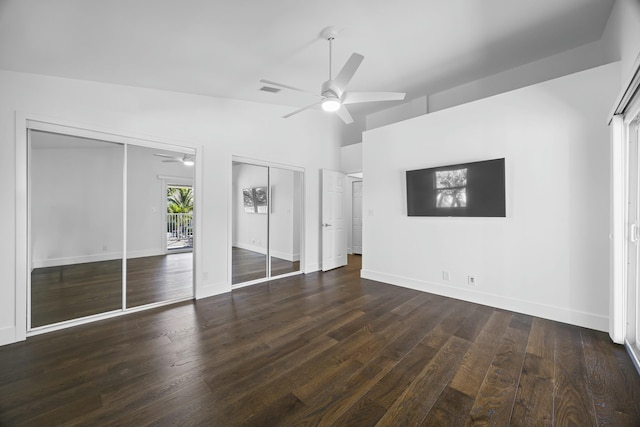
(333, 96)
(331, 104)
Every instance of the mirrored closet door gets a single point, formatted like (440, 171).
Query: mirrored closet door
(76, 227)
(111, 227)
(267, 222)
(160, 202)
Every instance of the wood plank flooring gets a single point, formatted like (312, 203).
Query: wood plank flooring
(320, 349)
(78, 290)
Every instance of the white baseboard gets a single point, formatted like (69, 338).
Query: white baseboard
(559, 314)
(145, 253)
(206, 290)
(8, 335)
(250, 247)
(310, 268)
(56, 262)
(286, 256)
(278, 254)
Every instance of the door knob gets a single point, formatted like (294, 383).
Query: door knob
(326, 225)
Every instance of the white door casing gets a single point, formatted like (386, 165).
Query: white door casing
(334, 236)
(357, 217)
(633, 232)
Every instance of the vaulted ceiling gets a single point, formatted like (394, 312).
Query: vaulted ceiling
(224, 47)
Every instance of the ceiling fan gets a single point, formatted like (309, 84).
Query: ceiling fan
(185, 160)
(333, 97)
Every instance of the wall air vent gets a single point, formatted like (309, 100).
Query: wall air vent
(270, 89)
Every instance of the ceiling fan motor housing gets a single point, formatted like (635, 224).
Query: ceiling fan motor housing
(330, 90)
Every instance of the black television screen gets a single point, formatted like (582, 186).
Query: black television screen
(465, 189)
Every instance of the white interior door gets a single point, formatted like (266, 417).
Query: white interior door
(334, 236)
(357, 217)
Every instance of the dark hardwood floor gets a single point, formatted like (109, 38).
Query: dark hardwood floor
(78, 290)
(249, 265)
(320, 349)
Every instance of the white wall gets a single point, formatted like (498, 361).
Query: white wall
(549, 256)
(352, 133)
(621, 36)
(574, 60)
(406, 110)
(222, 127)
(76, 210)
(351, 156)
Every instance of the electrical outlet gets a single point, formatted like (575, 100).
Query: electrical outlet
(471, 280)
(445, 275)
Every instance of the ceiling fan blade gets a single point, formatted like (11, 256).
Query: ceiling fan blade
(300, 110)
(348, 70)
(269, 82)
(172, 161)
(358, 97)
(343, 113)
(163, 155)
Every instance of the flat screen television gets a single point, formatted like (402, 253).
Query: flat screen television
(475, 189)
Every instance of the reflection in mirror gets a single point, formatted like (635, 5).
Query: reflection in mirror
(250, 222)
(76, 227)
(284, 221)
(160, 202)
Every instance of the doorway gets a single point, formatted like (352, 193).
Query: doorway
(95, 210)
(353, 207)
(356, 215)
(179, 222)
(267, 227)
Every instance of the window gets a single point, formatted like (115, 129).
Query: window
(451, 188)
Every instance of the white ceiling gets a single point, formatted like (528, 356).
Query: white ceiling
(223, 47)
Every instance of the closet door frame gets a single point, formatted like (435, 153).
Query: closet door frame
(268, 165)
(24, 124)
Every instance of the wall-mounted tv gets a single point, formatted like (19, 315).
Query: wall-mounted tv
(466, 189)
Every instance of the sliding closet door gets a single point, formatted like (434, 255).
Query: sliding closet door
(284, 220)
(160, 202)
(250, 222)
(267, 221)
(76, 234)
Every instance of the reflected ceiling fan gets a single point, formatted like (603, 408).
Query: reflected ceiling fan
(185, 160)
(333, 95)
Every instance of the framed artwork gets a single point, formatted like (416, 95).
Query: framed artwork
(255, 200)
(247, 196)
(260, 199)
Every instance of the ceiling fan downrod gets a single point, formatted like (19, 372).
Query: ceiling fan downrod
(329, 33)
(330, 54)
